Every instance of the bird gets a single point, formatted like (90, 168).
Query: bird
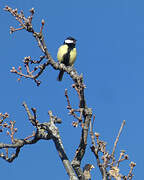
(86, 170)
(67, 54)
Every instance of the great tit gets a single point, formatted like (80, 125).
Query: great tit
(67, 54)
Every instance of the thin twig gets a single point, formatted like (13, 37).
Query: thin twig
(117, 139)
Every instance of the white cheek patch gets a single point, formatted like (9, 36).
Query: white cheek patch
(68, 41)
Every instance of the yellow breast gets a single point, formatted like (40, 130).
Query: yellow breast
(63, 50)
(73, 55)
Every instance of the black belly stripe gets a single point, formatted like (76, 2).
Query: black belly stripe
(66, 57)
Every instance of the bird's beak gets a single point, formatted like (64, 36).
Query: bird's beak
(75, 41)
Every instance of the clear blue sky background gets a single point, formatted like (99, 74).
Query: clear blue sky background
(110, 46)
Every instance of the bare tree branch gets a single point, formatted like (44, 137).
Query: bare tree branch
(106, 162)
(116, 141)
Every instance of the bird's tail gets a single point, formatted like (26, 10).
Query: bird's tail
(60, 76)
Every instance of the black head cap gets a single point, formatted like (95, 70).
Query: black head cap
(71, 38)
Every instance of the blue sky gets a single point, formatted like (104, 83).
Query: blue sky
(110, 45)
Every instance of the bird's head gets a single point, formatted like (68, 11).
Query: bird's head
(70, 41)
